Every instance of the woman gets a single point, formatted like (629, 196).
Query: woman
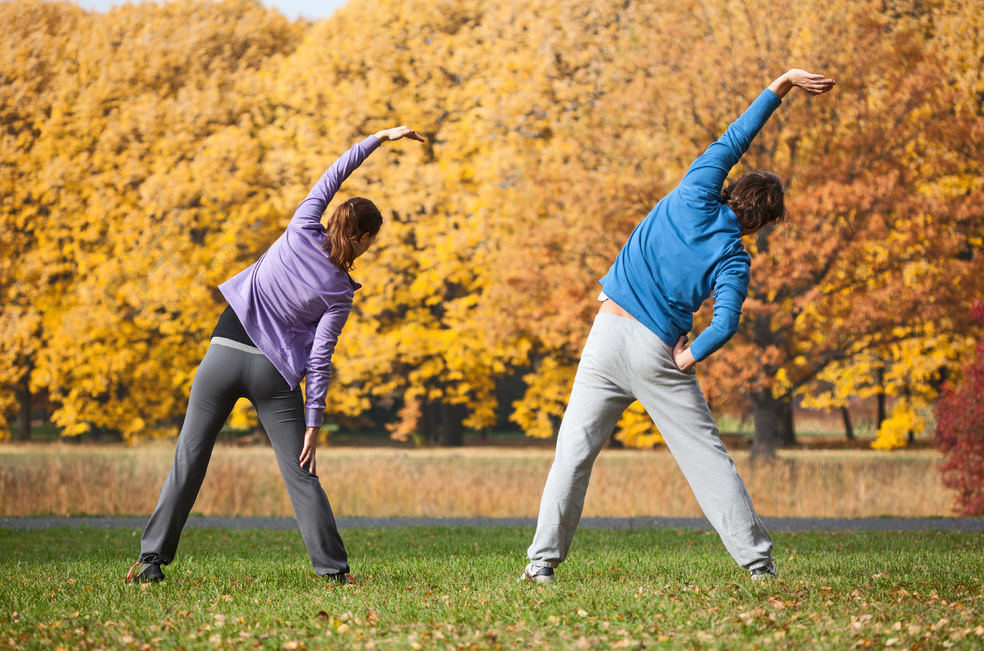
(686, 248)
(282, 321)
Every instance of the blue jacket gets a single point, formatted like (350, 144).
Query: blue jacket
(690, 245)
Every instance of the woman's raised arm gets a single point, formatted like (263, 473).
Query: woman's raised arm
(398, 132)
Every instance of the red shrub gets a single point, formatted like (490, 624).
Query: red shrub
(960, 432)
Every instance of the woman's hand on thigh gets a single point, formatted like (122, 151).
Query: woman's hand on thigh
(309, 448)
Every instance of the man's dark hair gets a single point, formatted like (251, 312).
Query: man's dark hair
(757, 199)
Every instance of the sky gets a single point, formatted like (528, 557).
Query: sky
(293, 9)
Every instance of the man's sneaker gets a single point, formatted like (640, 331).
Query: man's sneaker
(764, 573)
(342, 578)
(538, 574)
(151, 573)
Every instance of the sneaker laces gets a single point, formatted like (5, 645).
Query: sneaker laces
(337, 580)
(129, 575)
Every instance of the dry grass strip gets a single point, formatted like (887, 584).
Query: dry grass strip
(479, 482)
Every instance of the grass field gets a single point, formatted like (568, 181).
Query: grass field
(481, 482)
(456, 589)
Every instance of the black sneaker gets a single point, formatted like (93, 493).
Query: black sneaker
(341, 578)
(151, 573)
(764, 573)
(538, 574)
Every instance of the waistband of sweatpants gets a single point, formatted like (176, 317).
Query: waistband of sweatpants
(636, 327)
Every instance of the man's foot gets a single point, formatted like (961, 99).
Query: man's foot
(538, 574)
(764, 573)
(342, 578)
(151, 573)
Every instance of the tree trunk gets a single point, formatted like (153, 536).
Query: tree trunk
(880, 376)
(454, 431)
(848, 426)
(428, 423)
(773, 424)
(787, 433)
(908, 399)
(22, 423)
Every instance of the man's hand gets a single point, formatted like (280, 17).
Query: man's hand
(682, 356)
(812, 83)
(308, 449)
(399, 132)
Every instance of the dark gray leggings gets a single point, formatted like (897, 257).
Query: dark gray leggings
(225, 375)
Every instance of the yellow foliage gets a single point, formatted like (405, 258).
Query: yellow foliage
(636, 429)
(152, 151)
(542, 406)
(894, 431)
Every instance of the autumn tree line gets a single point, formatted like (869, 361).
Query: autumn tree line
(151, 152)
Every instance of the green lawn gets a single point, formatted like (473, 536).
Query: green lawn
(456, 589)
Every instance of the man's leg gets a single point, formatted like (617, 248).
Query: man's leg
(596, 403)
(677, 405)
(281, 411)
(214, 392)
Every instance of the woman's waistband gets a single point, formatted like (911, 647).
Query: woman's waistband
(229, 343)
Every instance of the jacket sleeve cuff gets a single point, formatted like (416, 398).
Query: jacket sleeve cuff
(313, 417)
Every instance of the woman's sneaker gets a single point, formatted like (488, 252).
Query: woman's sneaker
(764, 573)
(342, 578)
(538, 574)
(151, 573)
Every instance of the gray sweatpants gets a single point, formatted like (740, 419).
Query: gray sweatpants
(624, 361)
(225, 375)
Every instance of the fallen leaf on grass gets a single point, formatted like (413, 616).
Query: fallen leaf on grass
(858, 622)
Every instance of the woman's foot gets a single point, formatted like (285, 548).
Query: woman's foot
(342, 578)
(151, 573)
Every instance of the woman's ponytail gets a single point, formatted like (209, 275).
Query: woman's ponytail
(346, 227)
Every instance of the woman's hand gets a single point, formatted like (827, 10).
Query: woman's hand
(682, 356)
(308, 449)
(399, 132)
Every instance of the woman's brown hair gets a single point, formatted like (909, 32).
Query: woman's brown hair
(757, 199)
(346, 226)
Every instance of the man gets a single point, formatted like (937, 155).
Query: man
(686, 248)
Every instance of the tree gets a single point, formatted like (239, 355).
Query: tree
(879, 186)
(147, 190)
(151, 152)
(32, 66)
(960, 431)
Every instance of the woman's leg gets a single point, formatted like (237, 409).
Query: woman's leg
(214, 392)
(596, 403)
(281, 411)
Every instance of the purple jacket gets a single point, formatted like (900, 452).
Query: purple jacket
(293, 301)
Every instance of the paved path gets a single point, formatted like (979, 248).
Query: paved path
(774, 524)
